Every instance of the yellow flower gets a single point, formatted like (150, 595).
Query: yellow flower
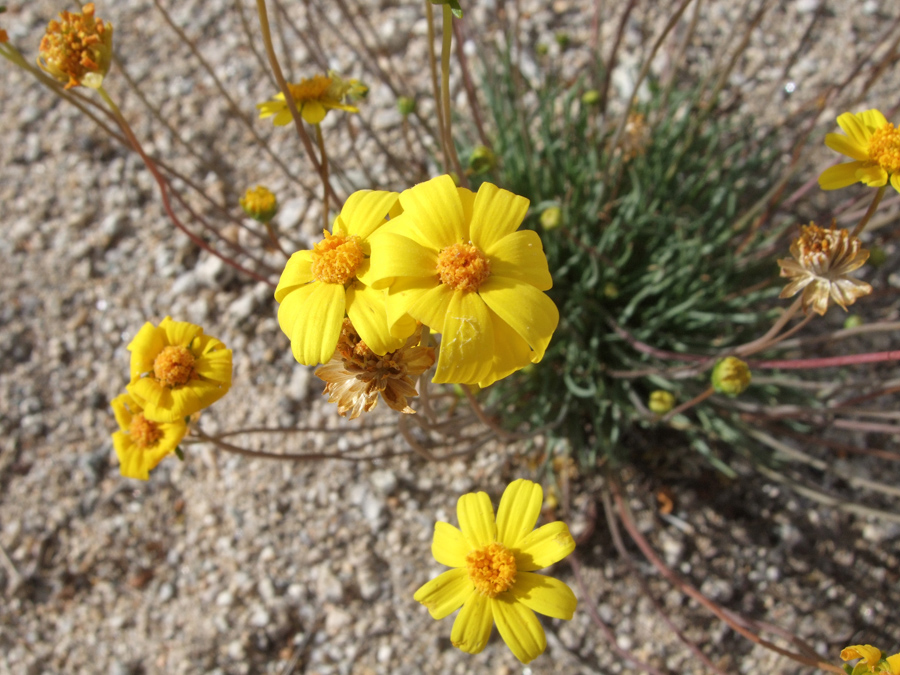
(874, 145)
(318, 288)
(78, 50)
(493, 577)
(314, 97)
(731, 376)
(871, 655)
(355, 375)
(176, 370)
(454, 261)
(822, 260)
(661, 401)
(140, 443)
(259, 203)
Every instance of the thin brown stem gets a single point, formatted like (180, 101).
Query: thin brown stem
(321, 141)
(435, 87)
(861, 225)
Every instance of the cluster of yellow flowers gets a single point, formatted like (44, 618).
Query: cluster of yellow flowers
(436, 255)
(872, 661)
(176, 371)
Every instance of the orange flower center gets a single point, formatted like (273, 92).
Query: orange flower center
(884, 148)
(70, 47)
(492, 569)
(144, 433)
(174, 366)
(336, 258)
(463, 267)
(312, 89)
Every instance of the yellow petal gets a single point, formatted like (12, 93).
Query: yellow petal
(446, 593)
(519, 628)
(467, 340)
(317, 327)
(179, 332)
(855, 129)
(283, 117)
(873, 176)
(518, 512)
(435, 210)
(467, 198)
(511, 352)
(895, 181)
(520, 256)
(872, 118)
(188, 399)
(368, 314)
(894, 663)
(144, 348)
(405, 293)
(155, 399)
(840, 176)
(297, 272)
(476, 519)
(431, 306)
(313, 112)
(124, 407)
(544, 546)
(846, 146)
(871, 654)
(527, 310)
(545, 595)
(365, 211)
(449, 546)
(393, 255)
(472, 628)
(215, 366)
(496, 214)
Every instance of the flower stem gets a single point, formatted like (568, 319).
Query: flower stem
(445, 97)
(432, 63)
(163, 188)
(321, 141)
(860, 226)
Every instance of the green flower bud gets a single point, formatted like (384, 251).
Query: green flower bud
(541, 49)
(590, 97)
(731, 376)
(482, 160)
(853, 321)
(260, 204)
(661, 401)
(551, 218)
(406, 105)
(610, 290)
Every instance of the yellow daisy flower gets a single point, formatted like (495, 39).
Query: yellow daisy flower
(356, 375)
(176, 370)
(77, 50)
(319, 287)
(314, 97)
(822, 260)
(140, 443)
(455, 261)
(493, 575)
(874, 145)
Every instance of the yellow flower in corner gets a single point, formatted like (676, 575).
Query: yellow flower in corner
(77, 50)
(140, 443)
(319, 287)
(870, 654)
(493, 577)
(872, 143)
(314, 97)
(455, 261)
(176, 370)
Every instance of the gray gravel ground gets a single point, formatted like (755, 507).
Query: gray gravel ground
(224, 564)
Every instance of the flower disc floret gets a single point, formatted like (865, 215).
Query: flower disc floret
(492, 569)
(335, 259)
(174, 366)
(463, 267)
(78, 49)
(884, 148)
(144, 433)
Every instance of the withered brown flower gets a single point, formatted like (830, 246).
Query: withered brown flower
(823, 257)
(356, 375)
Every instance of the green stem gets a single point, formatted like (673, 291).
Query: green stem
(436, 90)
(321, 141)
(861, 225)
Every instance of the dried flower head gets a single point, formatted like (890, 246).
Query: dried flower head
(259, 203)
(822, 260)
(872, 143)
(78, 49)
(314, 97)
(356, 375)
(635, 137)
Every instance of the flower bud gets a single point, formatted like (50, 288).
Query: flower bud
(406, 105)
(731, 376)
(661, 402)
(551, 218)
(590, 97)
(260, 204)
(482, 160)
